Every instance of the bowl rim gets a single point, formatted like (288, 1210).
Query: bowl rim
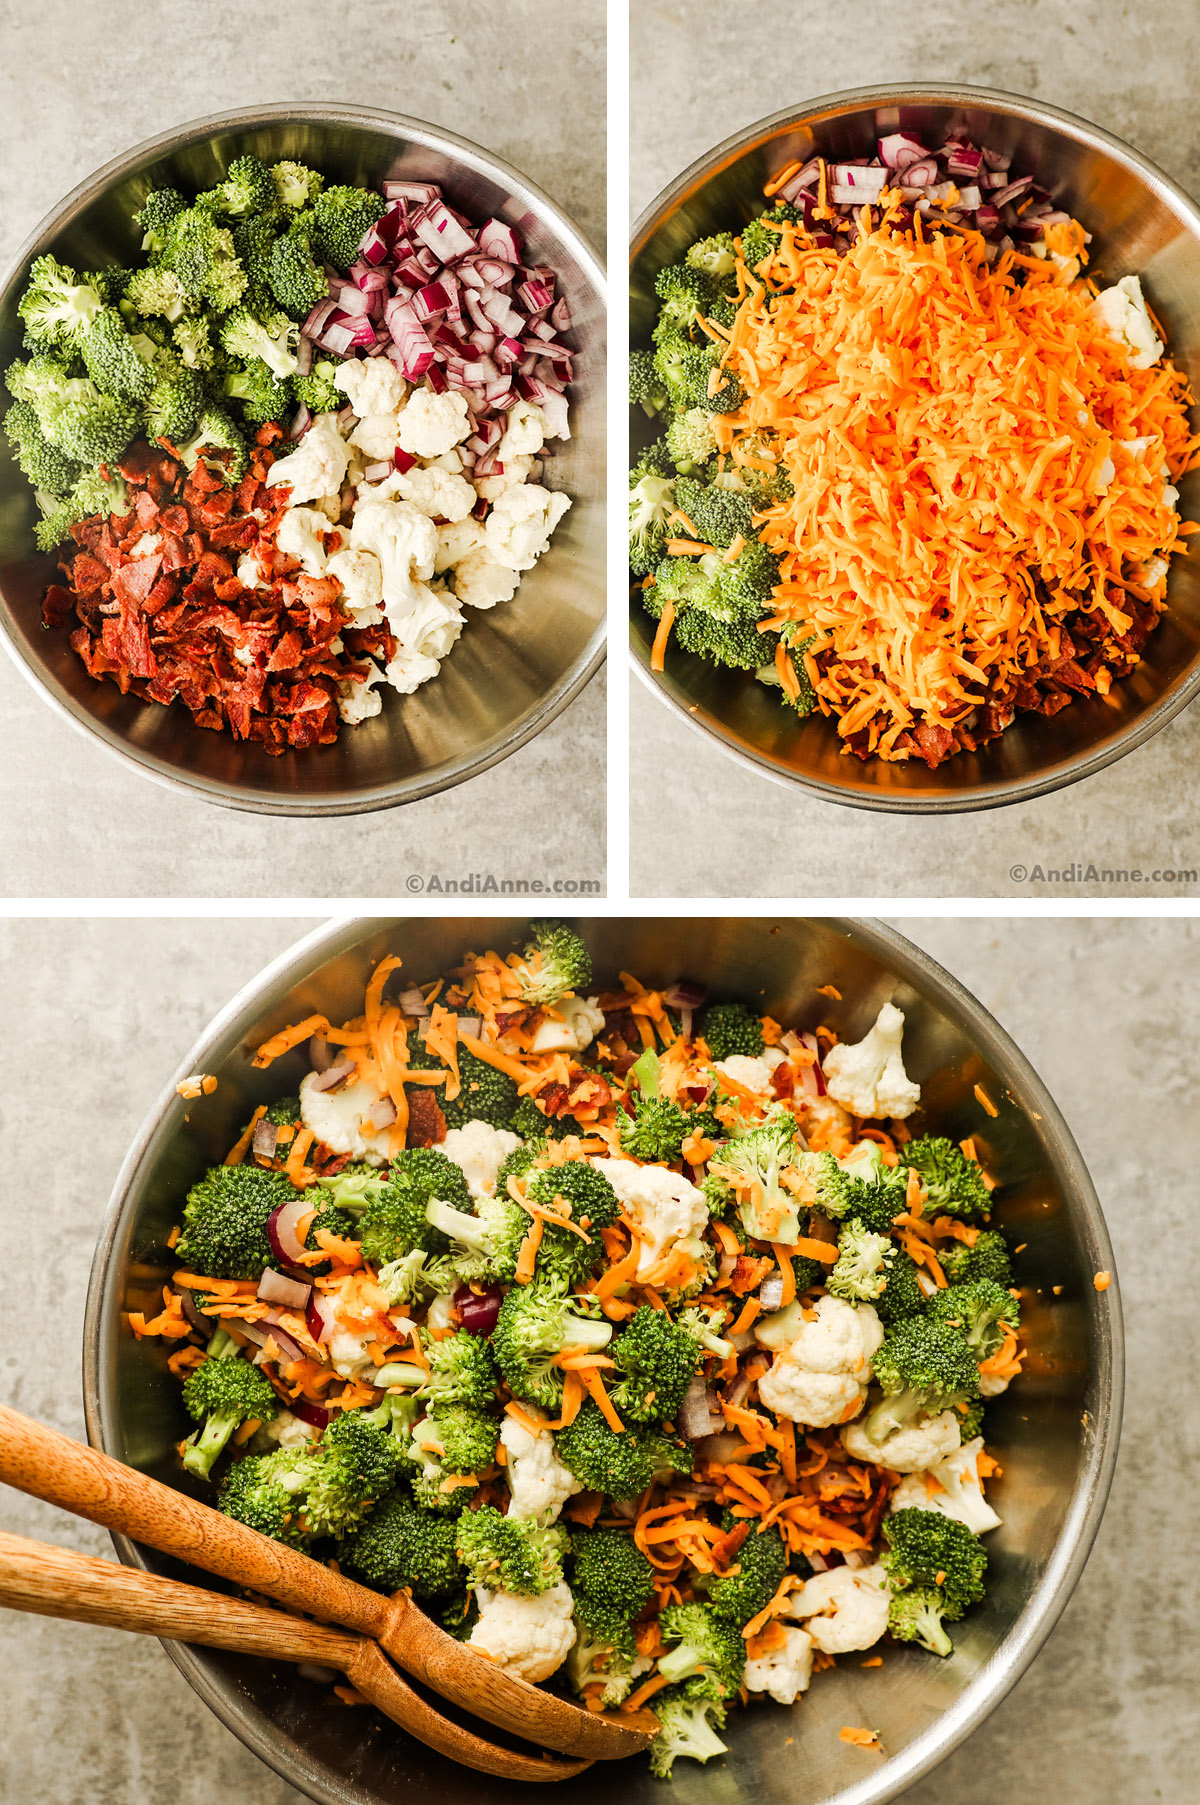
(1105, 1332)
(992, 793)
(178, 777)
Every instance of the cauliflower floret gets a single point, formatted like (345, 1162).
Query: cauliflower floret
(479, 1151)
(1122, 311)
(525, 432)
(318, 464)
(331, 505)
(405, 541)
(430, 625)
(815, 1400)
(824, 1121)
(913, 1449)
(406, 671)
(820, 1374)
(785, 1672)
(530, 1637)
(990, 1385)
(665, 1206)
(843, 1609)
(348, 1347)
(248, 573)
(430, 424)
(283, 1431)
(297, 538)
(516, 470)
(437, 492)
(869, 1078)
(339, 1118)
(375, 435)
(456, 541)
(372, 385)
(582, 1020)
(958, 1492)
(481, 582)
(359, 701)
(361, 578)
(755, 1074)
(520, 523)
(539, 1482)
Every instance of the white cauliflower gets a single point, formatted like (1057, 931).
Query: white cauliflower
(822, 1367)
(348, 1348)
(815, 1400)
(404, 540)
(524, 434)
(437, 492)
(516, 470)
(539, 1482)
(843, 1609)
(913, 1449)
(822, 1114)
(331, 505)
(359, 701)
(406, 671)
(990, 1385)
(318, 464)
(520, 522)
(479, 1151)
(429, 626)
(666, 1208)
(957, 1493)
(430, 424)
(249, 574)
(1122, 311)
(480, 581)
(868, 1078)
(755, 1074)
(283, 1431)
(456, 541)
(784, 1673)
(361, 578)
(375, 435)
(530, 1637)
(337, 1118)
(297, 538)
(372, 385)
(582, 1020)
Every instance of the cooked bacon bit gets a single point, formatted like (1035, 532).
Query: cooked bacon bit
(426, 1123)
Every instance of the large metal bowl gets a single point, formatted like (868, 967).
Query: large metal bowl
(1056, 1437)
(516, 666)
(1141, 223)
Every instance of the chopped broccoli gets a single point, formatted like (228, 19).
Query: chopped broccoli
(509, 1554)
(57, 307)
(296, 185)
(868, 1190)
(532, 1124)
(357, 1462)
(535, 1323)
(620, 1465)
(46, 467)
(248, 187)
(611, 1571)
(589, 1201)
(267, 1492)
(651, 502)
(220, 1394)
(297, 280)
(201, 253)
(602, 1654)
(685, 369)
(316, 388)
(658, 1359)
(691, 442)
(193, 341)
(928, 1548)
(158, 212)
(484, 1245)
(730, 1028)
(761, 1562)
(225, 1221)
(954, 1182)
(805, 699)
(416, 1276)
(748, 581)
(921, 1366)
(646, 387)
(342, 217)
(688, 1730)
(902, 1295)
(658, 1128)
(266, 334)
(261, 395)
(708, 1650)
(400, 1545)
(987, 1258)
(93, 494)
(754, 1162)
(220, 443)
(918, 1615)
(114, 358)
(452, 1443)
(158, 292)
(174, 405)
(687, 295)
(736, 643)
(90, 427)
(461, 1371)
(758, 240)
(485, 1095)
(395, 1221)
(716, 256)
(861, 1272)
(555, 963)
(718, 514)
(976, 1310)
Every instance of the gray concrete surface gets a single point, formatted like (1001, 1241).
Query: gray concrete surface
(1107, 1012)
(1133, 69)
(78, 85)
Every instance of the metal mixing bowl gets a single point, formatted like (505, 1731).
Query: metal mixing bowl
(516, 666)
(1141, 223)
(1056, 1436)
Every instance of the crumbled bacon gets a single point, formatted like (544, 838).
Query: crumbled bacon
(426, 1123)
(179, 624)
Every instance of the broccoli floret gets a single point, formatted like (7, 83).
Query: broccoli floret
(688, 1730)
(201, 253)
(357, 1463)
(90, 427)
(485, 1095)
(248, 188)
(395, 1220)
(869, 1191)
(602, 1654)
(863, 1264)
(509, 1554)
(342, 216)
(295, 184)
(976, 1310)
(691, 442)
(917, 1615)
(193, 341)
(452, 1443)
(762, 1561)
(43, 464)
(220, 443)
(261, 395)
(317, 390)
(620, 1465)
(730, 1028)
(532, 1124)
(736, 643)
(719, 515)
(954, 1182)
(297, 280)
(986, 1259)
(57, 307)
(970, 1420)
(715, 256)
(646, 387)
(219, 1395)
(485, 1245)
(535, 1323)
(685, 368)
(555, 962)
(158, 212)
(267, 1492)
(691, 584)
(719, 1196)
(611, 1572)
(797, 643)
(268, 336)
(581, 1192)
(658, 1360)
(400, 1545)
(748, 581)
(687, 294)
(758, 240)
(111, 284)
(703, 1647)
(113, 358)
(225, 1221)
(158, 292)
(416, 1276)
(902, 1296)
(93, 494)
(928, 1548)
(659, 1128)
(754, 1162)
(651, 502)
(921, 1366)
(356, 1185)
(461, 1371)
(174, 405)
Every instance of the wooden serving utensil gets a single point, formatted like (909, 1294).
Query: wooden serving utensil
(38, 1460)
(58, 1582)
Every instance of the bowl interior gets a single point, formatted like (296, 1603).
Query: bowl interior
(1055, 1439)
(1140, 224)
(514, 666)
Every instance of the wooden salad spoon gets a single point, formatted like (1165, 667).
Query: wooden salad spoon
(51, 1466)
(58, 1582)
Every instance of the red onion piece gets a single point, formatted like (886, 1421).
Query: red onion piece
(320, 1054)
(192, 1310)
(498, 240)
(281, 1229)
(314, 1321)
(262, 1332)
(265, 1136)
(317, 1416)
(812, 1078)
(699, 1414)
(413, 1002)
(375, 473)
(337, 1074)
(684, 993)
(382, 1116)
(478, 1311)
(739, 1390)
(276, 1288)
(402, 460)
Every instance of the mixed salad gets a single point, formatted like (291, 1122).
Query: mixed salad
(285, 454)
(917, 470)
(633, 1332)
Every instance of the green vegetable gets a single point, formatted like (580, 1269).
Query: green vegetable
(267, 1492)
(705, 1649)
(220, 1394)
(987, 1259)
(762, 1560)
(730, 1028)
(401, 1545)
(768, 1212)
(954, 1182)
(921, 1366)
(976, 1310)
(620, 1465)
(863, 1264)
(57, 307)
(689, 1730)
(555, 962)
(928, 1548)
(535, 1323)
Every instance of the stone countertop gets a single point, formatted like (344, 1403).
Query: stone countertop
(1106, 1712)
(1136, 72)
(81, 84)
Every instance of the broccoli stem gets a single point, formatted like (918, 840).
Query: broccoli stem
(457, 1225)
(586, 1332)
(201, 1452)
(892, 1413)
(679, 1662)
(400, 1372)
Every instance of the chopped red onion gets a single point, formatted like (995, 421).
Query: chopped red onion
(375, 473)
(276, 1288)
(699, 1414)
(281, 1229)
(320, 1054)
(314, 1321)
(381, 1117)
(402, 460)
(317, 1416)
(412, 1001)
(192, 1310)
(684, 993)
(262, 1332)
(478, 1311)
(770, 1292)
(265, 1136)
(334, 1076)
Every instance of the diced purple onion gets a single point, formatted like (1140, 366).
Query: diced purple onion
(685, 993)
(265, 1136)
(320, 1053)
(699, 1414)
(193, 1312)
(478, 1311)
(317, 1416)
(337, 1074)
(285, 1243)
(276, 1288)
(314, 1321)
(262, 1332)
(770, 1292)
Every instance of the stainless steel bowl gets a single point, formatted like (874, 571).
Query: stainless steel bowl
(516, 666)
(1057, 1436)
(1141, 223)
